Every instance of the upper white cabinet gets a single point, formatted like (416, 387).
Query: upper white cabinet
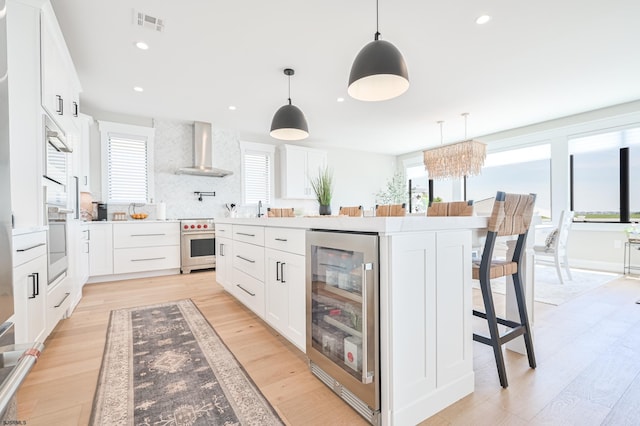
(84, 157)
(60, 85)
(297, 165)
(26, 125)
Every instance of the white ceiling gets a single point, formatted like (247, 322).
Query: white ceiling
(534, 61)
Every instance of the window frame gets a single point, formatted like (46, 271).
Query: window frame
(624, 174)
(260, 148)
(139, 132)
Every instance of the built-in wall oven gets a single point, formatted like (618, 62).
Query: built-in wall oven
(197, 244)
(55, 181)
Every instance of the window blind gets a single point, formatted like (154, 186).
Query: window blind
(127, 169)
(257, 177)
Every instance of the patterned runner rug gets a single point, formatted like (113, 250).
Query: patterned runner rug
(165, 365)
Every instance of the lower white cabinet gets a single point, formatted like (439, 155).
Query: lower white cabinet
(130, 260)
(30, 286)
(249, 291)
(58, 301)
(224, 262)
(100, 249)
(83, 262)
(285, 295)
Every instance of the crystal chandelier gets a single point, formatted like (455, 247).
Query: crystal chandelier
(455, 160)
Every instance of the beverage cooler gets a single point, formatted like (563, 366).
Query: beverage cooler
(342, 279)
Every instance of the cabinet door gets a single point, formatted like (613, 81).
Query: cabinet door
(84, 176)
(100, 249)
(30, 287)
(316, 161)
(224, 256)
(53, 75)
(285, 295)
(295, 175)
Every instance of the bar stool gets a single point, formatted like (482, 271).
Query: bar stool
(511, 216)
(351, 211)
(453, 208)
(391, 209)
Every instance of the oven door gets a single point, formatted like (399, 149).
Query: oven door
(198, 250)
(57, 255)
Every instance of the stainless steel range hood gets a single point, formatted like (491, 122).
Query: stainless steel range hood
(202, 154)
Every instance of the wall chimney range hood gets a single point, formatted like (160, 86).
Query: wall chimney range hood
(202, 154)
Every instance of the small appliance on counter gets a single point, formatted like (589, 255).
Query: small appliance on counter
(99, 211)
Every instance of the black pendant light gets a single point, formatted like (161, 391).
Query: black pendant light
(379, 71)
(289, 122)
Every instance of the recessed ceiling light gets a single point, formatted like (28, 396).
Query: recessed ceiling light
(138, 89)
(232, 107)
(483, 19)
(340, 99)
(142, 45)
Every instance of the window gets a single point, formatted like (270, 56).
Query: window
(604, 168)
(257, 172)
(521, 170)
(127, 160)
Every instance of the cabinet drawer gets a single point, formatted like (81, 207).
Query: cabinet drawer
(249, 291)
(58, 301)
(27, 247)
(249, 259)
(224, 230)
(285, 239)
(145, 234)
(129, 260)
(249, 234)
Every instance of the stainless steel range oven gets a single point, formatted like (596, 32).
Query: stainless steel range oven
(197, 244)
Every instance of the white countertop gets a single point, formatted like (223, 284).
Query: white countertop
(382, 225)
(133, 221)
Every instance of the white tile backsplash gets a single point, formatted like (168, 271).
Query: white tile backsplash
(174, 149)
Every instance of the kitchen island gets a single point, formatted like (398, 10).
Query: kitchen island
(426, 359)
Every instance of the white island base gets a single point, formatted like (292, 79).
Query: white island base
(426, 357)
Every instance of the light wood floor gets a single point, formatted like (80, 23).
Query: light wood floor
(588, 353)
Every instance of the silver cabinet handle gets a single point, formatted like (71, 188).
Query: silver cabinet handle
(282, 239)
(150, 258)
(30, 248)
(147, 235)
(282, 272)
(62, 301)
(277, 271)
(246, 235)
(367, 376)
(221, 249)
(245, 290)
(245, 259)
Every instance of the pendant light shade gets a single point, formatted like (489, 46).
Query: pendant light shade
(379, 72)
(289, 122)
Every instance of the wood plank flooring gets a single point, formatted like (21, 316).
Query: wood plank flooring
(588, 353)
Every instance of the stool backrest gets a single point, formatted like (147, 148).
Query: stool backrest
(453, 208)
(351, 211)
(391, 209)
(283, 212)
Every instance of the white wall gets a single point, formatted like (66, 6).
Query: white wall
(357, 175)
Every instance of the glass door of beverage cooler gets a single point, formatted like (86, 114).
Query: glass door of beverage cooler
(342, 310)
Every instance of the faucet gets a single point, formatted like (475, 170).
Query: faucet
(259, 208)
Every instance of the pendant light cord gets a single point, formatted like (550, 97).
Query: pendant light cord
(289, 89)
(440, 123)
(465, 114)
(377, 35)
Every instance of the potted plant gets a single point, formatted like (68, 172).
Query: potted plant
(323, 187)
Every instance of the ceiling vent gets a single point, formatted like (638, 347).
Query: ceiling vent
(141, 19)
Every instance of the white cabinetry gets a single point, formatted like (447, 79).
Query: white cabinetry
(30, 286)
(58, 302)
(60, 86)
(224, 256)
(430, 279)
(140, 247)
(285, 283)
(27, 152)
(84, 169)
(297, 165)
(248, 267)
(83, 262)
(100, 249)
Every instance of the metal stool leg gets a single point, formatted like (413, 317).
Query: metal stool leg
(492, 322)
(524, 318)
